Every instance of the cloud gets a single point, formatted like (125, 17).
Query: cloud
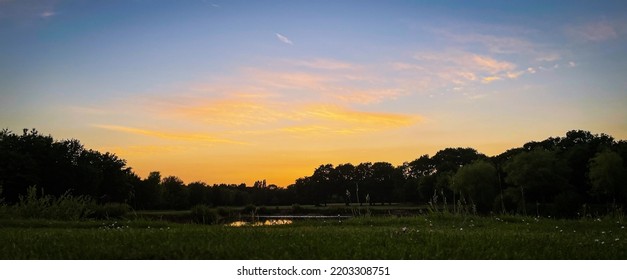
(598, 31)
(459, 68)
(288, 79)
(284, 39)
(200, 138)
(365, 96)
(572, 64)
(493, 43)
(488, 64)
(329, 119)
(378, 119)
(308, 130)
(499, 40)
(355, 86)
(233, 111)
(326, 64)
(27, 10)
(490, 79)
(47, 14)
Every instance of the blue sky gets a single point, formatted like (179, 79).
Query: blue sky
(232, 91)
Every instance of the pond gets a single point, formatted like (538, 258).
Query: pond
(278, 220)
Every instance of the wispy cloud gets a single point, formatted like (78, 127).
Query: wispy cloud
(193, 137)
(328, 119)
(325, 64)
(231, 111)
(26, 10)
(597, 31)
(549, 57)
(47, 14)
(493, 43)
(489, 79)
(378, 119)
(354, 86)
(366, 96)
(500, 40)
(284, 39)
(458, 68)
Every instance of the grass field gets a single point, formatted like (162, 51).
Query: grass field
(418, 237)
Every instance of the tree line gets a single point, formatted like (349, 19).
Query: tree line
(562, 176)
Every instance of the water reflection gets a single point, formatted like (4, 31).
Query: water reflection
(270, 222)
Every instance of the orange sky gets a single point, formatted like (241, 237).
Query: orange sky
(248, 90)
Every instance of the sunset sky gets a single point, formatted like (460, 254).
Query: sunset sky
(239, 91)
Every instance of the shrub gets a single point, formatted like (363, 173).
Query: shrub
(65, 207)
(263, 210)
(250, 208)
(110, 211)
(297, 209)
(202, 214)
(223, 212)
(4, 210)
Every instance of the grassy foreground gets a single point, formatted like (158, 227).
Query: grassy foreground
(421, 237)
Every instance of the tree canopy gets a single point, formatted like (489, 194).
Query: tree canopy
(556, 175)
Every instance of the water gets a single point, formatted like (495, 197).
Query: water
(271, 222)
(279, 220)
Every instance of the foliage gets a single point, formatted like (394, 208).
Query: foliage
(478, 182)
(58, 167)
(556, 175)
(297, 209)
(608, 176)
(65, 207)
(110, 211)
(539, 175)
(203, 214)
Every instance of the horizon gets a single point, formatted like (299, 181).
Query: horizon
(236, 92)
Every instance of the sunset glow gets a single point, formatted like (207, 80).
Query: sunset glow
(239, 91)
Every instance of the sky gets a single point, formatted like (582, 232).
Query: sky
(239, 91)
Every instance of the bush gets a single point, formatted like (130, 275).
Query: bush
(223, 212)
(4, 210)
(65, 207)
(202, 214)
(567, 203)
(263, 210)
(110, 211)
(297, 209)
(250, 208)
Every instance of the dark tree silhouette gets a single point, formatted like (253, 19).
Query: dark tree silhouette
(560, 174)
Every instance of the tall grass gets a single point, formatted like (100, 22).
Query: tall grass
(421, 237)
(203, 214)
(3, 207)
(109, 211)
(64, 207)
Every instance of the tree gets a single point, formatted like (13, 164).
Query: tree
(608, 176)
(382, 180)
(538, 174)
(477, 182)
(451, 159)
(199, 193)
(176, 196)
(363, 181)
(325, 182)
(420, 167)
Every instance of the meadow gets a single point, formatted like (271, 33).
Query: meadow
(428, 236)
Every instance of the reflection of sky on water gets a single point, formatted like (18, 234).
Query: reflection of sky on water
(260, 223)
